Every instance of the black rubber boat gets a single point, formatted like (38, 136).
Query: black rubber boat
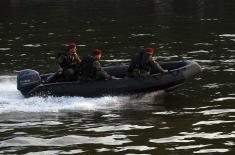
(30, 83)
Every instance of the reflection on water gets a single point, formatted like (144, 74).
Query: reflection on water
(65, 141)
(118, 128)
(197, 118)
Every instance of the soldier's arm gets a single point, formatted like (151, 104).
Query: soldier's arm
(155, 64)
(60, 60)
(78, 59)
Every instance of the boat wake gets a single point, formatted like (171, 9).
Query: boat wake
(11, 100)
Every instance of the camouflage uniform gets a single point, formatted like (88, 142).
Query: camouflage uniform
(100, 73)
(141, 65)
(69, 63)
(93, 72)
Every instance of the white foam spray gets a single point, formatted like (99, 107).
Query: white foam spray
(11, 100)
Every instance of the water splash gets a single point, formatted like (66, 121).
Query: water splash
(11, 100)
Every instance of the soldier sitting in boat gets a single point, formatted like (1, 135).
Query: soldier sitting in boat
(68, 63)
(142, 63)
(91, 69)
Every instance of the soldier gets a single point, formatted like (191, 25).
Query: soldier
(142, 63)
(91, 69)
(68, 63)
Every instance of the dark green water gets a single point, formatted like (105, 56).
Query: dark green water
(198, 118)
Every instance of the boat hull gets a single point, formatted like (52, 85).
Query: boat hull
(156, 81)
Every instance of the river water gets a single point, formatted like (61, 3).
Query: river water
(199, 117)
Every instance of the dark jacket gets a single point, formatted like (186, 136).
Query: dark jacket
(91, 70)
(141, 65)
(68, 61)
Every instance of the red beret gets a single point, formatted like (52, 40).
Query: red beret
(71, 46)
(149, 50)
(96, 51)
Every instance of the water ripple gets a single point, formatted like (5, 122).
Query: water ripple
(190, 147)
(227, 35)
(30, 124)
(65, 141)
(200, 51)
(51, 152)
(212, 151)
(141, 35)
(223, 99)
(164, 113)
(4, 49)
(32, 45)
(77, 151)
(111, 116)
(230, 70)
(212, 85)
(217, 111)
(118, 128)
(206, 44)
(212, 122)
(137, 148)
(187, 137)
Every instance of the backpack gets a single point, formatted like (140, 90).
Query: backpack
(144, 61)
(139, 61)
(87, 67)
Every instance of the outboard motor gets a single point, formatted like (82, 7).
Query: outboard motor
(27, 79)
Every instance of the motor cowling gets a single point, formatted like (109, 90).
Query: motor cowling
(27, 79)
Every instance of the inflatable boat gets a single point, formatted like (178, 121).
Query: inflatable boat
(31, 83)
